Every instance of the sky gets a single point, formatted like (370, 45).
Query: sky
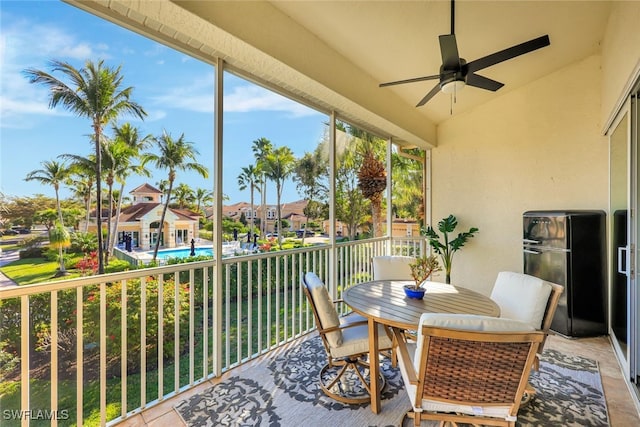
(176, 90)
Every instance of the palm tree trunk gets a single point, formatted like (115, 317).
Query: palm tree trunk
(161, 226)
(252, 215)
(97, 129)
(61, 257)
(263, 220)
(87, 204)
(109, 221)
(376, 210)
(278, 196)
(58, 206)
(112, 244)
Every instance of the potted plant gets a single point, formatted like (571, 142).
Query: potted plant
(447, 248)
(421, 269)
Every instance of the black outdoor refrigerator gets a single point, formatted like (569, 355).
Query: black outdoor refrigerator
(569, 248)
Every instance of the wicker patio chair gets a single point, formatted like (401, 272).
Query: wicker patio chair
(467, 369)
(346, 341)
(528, 299)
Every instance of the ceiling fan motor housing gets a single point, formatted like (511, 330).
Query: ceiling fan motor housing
(453, 79)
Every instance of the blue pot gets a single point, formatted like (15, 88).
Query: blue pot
(414, 293)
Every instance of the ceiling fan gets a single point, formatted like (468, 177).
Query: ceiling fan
(455, 72)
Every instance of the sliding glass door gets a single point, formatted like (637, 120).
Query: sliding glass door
(634, 292)
(620, 232)
(624, 232)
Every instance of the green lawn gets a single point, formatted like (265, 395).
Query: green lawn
(34, 270)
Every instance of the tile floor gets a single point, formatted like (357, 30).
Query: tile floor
(622, 411)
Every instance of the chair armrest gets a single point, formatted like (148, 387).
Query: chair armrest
(405, 359)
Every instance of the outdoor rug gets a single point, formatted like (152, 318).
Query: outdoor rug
(284, 391)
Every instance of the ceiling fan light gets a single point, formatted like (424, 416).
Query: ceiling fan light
(453, 86)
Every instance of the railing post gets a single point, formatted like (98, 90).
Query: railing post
(25, 357)
(333, 255)
(217, 217)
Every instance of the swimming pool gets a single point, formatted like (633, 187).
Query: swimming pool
(183, 252)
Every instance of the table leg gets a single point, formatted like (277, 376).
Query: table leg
(374, 366)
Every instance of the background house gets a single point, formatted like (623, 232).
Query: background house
(140, 221)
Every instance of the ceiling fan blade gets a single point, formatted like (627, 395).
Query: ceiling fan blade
(449, 51)
(508, 53)
(428, 96)
(483, 82)
(413, 80)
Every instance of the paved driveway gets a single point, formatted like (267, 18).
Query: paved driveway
(6, 258)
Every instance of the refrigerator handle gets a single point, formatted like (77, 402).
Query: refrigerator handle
(531, 251)
(531, 242)
(622, 259)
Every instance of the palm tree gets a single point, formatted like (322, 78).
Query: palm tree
(82, 177)
(96, 93)
(350, 205)
(372, 181)
(278, 165)
(115, 162)
(184, 195)
(202, 196)
(174, 155)
(52, 173)
(130, 137)
(59, 238)
(407, 184)
(262, 147)
(250, 177)
(372, 175)
(311, 174)
(163, 185)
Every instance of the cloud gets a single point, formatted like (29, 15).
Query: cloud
(198, 97)
(248, 98)
(152, 116)
(26, 44)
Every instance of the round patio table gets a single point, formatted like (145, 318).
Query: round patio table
(384, 302)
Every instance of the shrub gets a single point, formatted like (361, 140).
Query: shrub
(117, 265)
(88, 265)
(34, 252)
(84, 242)
(31, 242)
(8, 361)
(208, 235)
(50, 254)
(134, 332)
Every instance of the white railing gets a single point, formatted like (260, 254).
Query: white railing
(136, 338)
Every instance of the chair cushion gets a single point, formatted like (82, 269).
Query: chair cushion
(521, 297)
(355, 340)
(474, 322)
(392, 267)
(324, 306)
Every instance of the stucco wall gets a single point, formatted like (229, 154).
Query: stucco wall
(620, 55)
(538, 147)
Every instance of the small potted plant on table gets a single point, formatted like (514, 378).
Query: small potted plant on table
(421, 269)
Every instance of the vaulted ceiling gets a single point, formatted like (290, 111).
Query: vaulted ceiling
(393, 40)
(334, 54)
